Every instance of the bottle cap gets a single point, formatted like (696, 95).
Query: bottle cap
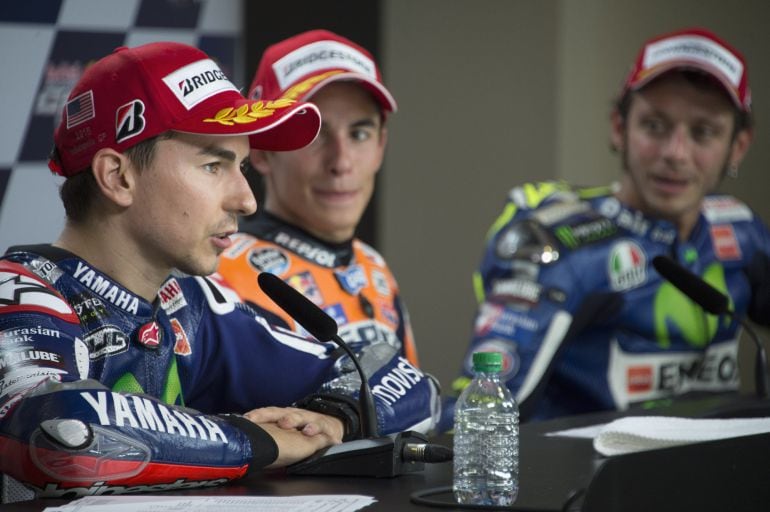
(487, 362)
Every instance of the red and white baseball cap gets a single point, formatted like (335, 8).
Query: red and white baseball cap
(297, 67)
(693, 48)
(134, 94)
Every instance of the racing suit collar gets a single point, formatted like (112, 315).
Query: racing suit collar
(270, 227)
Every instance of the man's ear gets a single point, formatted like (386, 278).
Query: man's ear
(113, 176)
(258, 159)
(740, 146)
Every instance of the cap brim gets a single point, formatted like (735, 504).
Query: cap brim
(379, 91)
(680, 65)
(279, 125)
(294, 130)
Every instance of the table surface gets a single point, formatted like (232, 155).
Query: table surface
(553, 470)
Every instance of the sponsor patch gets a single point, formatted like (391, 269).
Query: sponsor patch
(171, 296)
(633, 221)
(21, 291)
(640, 379)
(273, 261)
(397, 382)
(47, 270)
(626, 266)
(725, 209)
(368, 332)
(381, 284)
(129, 120)
(25, 335)
(115, 409)
(725, 243)
(181, 343)
(337, 313)
(88, 308)
(557, 212)
(196, 82)
(389, 314)
(106, 289)
(351, 279)
(105, 341)
(55, 490)
(578, 235)
(519, 291)
(30, 358)
(647, 376)
(311, 252)
(306, 285)
(149, 335)
(321, 55)
(496, 318)
(25, 377)
(694, 47)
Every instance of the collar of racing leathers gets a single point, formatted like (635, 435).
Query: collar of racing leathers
(269, 227)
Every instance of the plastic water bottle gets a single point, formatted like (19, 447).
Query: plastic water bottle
(486, 437)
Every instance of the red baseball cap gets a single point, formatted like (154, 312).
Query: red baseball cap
(693, 48)
(134, 94)
(297, 67)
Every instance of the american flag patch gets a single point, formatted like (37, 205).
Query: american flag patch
(80, 109)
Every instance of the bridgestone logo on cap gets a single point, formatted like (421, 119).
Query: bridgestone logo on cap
(321, 55)
(197, 82)
(695, 48)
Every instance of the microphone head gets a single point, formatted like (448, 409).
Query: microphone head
(699, 291)
(300, 308)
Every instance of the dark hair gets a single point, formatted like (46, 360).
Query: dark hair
(79, 192)
(704, 82)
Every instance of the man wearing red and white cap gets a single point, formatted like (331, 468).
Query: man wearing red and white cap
(118, 371)
(315, 196)
(567, 289)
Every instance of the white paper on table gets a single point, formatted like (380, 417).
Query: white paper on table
(589, 432)
(156, 503)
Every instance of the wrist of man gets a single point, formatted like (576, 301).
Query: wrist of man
(341, 407)
(264, 449)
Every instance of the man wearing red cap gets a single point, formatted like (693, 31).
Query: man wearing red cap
(315, 196)
(119, 372)
(566, 287)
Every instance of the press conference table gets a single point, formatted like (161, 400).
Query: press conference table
(564, 473)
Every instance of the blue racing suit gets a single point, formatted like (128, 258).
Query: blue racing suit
(104, 392)
(568, 294)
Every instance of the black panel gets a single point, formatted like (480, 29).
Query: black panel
(39, 11)
(168, 13)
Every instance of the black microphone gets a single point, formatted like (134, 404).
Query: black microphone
(323, 328)
(371, 456)
(717, 303)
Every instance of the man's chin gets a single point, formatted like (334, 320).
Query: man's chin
(200, 268)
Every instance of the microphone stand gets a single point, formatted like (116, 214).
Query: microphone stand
(374, 455)
(365, 397)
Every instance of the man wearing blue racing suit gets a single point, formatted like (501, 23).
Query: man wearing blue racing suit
(566, 288)
(117, 375)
